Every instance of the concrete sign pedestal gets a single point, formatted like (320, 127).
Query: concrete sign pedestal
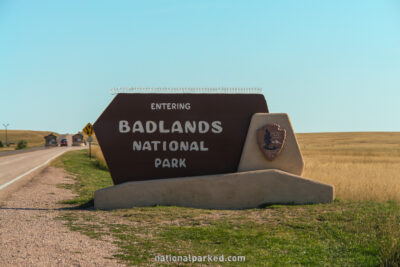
(239, 190)
(289, 159)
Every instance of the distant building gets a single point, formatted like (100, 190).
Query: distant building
(77, 140)
(51, 140)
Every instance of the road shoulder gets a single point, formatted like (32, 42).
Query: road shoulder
(31, 235)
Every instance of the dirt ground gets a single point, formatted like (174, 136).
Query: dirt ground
(31, 236)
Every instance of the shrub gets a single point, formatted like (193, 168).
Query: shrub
(1, 144)
(21, 144)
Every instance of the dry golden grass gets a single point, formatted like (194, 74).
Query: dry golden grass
(34, 138)
(98, 155)
(361, 166)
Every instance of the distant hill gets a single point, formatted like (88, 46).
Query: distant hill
(34, 138)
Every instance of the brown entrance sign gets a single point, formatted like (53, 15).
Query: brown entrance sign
(157, 136)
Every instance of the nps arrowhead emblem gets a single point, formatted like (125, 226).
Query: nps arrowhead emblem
(271, 140)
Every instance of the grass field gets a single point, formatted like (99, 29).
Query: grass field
(358, 229)
(34, 138)
(362, 166)
(98, 155)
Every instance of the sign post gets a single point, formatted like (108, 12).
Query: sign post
(89, 131)
(5, 126)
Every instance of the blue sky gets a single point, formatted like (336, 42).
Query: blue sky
(331, 65)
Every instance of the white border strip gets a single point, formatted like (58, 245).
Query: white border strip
(167, 90)
(30, 171)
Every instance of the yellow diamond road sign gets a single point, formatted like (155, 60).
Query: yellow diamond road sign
(88, 129)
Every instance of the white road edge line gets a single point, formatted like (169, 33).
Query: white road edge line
(28, 172)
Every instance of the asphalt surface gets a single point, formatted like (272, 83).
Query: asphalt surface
(14, 152)
(15, 167)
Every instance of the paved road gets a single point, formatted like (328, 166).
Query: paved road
(14, 152)
(15, 167)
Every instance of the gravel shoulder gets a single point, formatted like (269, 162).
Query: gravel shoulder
(30, 234)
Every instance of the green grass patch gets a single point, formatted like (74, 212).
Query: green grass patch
(344, 233)
(88, 177)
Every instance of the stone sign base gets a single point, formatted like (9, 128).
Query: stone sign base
(238, 190)
(290, 158)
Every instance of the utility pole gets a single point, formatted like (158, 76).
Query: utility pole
(5, 126)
